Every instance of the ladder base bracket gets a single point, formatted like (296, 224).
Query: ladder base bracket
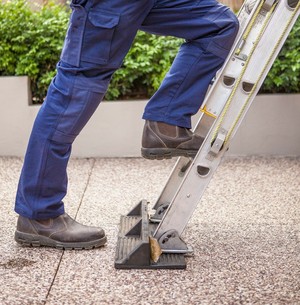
(134, 246)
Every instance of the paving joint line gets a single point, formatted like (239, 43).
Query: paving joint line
(86, 186)
(54, 277)
(63, 251)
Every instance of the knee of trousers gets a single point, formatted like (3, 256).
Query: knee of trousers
(228, 26)
(68, 107)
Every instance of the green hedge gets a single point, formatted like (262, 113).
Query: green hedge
(31, 41)
(284, 77)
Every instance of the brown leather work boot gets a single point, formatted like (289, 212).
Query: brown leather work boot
(164, 141)
(61, 232)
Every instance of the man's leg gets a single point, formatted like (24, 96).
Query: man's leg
(99, 36)
(209, 29)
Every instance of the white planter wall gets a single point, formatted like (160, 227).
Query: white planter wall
(272, 126)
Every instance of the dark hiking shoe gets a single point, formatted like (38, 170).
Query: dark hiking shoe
(61, 232)
(164, 141)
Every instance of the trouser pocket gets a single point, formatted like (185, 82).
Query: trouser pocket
(99, 31)
(89, 36)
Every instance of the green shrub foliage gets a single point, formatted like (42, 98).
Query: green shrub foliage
(31, 40)
(284, 77)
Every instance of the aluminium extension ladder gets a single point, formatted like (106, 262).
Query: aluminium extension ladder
(153, 242)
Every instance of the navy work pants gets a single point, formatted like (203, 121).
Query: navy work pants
(99, 36)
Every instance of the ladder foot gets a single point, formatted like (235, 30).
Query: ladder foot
(135, 248)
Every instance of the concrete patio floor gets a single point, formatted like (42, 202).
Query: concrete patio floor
(245, 234)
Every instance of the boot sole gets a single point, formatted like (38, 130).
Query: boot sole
(32, 240)
(166, 153)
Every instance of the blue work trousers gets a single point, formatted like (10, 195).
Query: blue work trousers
(100, 34)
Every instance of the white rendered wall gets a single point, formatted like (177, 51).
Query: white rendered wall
(272, 126)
